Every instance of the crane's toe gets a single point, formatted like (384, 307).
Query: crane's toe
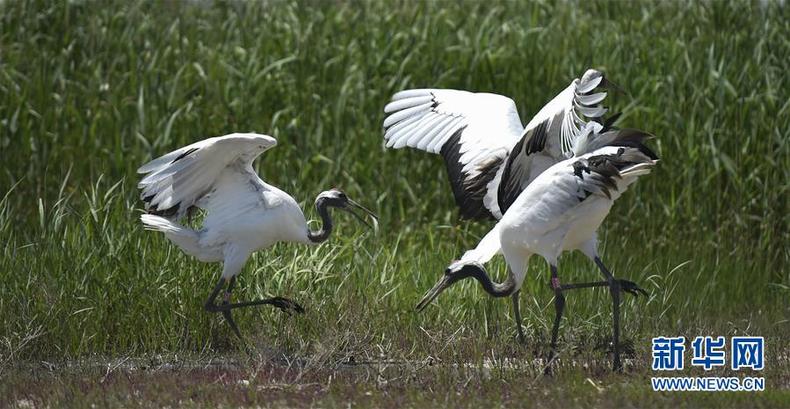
(286, 305)
(631, 288)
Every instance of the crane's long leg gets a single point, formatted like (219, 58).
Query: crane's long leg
(226, 307)
(517, 314)
(625, 285)
(213, 296)
(226, 301)
(614, 289)
(559, 306)
(211, 305)
(282, 303)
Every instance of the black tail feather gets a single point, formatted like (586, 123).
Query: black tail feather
(602, 170)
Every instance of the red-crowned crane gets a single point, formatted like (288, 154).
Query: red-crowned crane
(244, 213)
(490, 157)
(561, 210)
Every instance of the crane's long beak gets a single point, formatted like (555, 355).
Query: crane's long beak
(374, 226)
(434, 292)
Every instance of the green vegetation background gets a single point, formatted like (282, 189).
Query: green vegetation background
(89, 91)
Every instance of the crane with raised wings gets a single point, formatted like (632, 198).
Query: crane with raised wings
(244, 213)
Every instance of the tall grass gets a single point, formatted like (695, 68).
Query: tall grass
(89, 91)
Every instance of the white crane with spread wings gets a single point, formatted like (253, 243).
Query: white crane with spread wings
(493, 161)
(244, 213)
(560, 211)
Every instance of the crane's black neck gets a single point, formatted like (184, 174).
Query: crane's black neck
(492, 288)
(319, 236)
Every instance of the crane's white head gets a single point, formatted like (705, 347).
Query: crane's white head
(338, 199)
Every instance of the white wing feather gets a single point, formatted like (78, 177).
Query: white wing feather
(425, 118)
(550, 136)
(562, 114)
(490, 128)
(487, 126)
(180, 179)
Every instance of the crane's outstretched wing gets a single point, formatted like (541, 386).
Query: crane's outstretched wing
(490, 156)
(472, 131)
(551, 135)
(182, 178)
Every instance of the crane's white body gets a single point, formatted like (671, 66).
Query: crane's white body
(552, 215)
(550, 183)
(527, 171)
(244, 213)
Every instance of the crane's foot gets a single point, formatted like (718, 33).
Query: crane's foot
(282, 303)
(285, 305)
(628, 286)
(631, 288)
(226, 307)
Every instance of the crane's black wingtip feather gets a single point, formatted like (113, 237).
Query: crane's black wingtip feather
(633, 138)
(537, 142)
(184, 155)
